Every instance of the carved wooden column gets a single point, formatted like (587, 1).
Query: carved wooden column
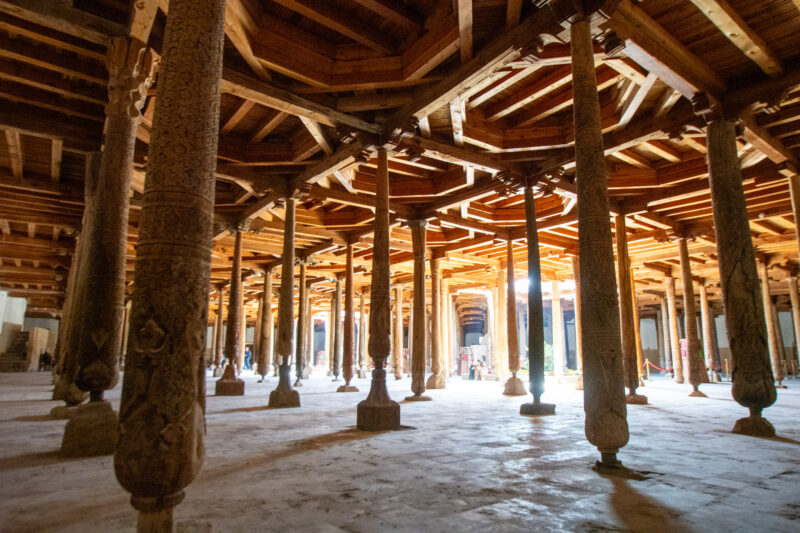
(308, 338)
(397, 352)
(637, 333)
(265, 343)
(160, 448)
(674, 336)
(793, 297)
(558, 330)
(378, 411)
(498, 321)
(690, 322)
(447, 330)
(349, 325)
(604, 393)
(284, 395)
(337, 330)
(302, 311)
(419, 340)
(666, 361)
(329, 335)
(708, 345)
(514, 385)
(775, 348)
(229, 384)
(218, 340)
(753, 383)
(627, 330)
(363, 363)
(576, 274)
(794, 192)
(437, 378)
(242, 336)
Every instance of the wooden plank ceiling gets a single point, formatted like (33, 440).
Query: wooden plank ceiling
(301, 76)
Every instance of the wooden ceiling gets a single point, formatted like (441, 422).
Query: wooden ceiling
(301, 76)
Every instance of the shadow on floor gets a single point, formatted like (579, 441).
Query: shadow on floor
(640, 513)
(35, 418)
(34, 459)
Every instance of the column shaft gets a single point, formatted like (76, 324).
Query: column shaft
(576, 274)
(337, 330)
(229, 384)
(300, 342)
(349, 324)
(627, 330)
(160, 448)
(695, 369)
(674, 336)
(772, 331)
(637, 332)
(514, 385)
(708, 344)
(558, 330)
(397, 359)
(535, 307)
(419, 314)
(604, 394)
(793, 297)
(265, 343)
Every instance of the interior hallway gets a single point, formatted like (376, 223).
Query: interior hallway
(470, 463)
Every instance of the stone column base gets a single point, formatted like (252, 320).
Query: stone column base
(347, 388)
(229, 387)
(283, 397)
(418, 398)
(537, 409)
(636, 399)
(515, 387)
(379, 416)
(755, 426)
(435, 381)
(63, 412)
(579, 383)
(91, 431)
(697, 394)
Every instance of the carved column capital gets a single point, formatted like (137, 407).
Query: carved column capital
(131, 70)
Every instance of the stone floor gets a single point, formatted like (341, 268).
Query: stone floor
(467, 462)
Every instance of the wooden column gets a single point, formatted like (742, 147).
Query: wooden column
(363, 363)
(666, 359)
(500, 349)
(419, 312)
(265, 343)
(308, 338)
(604, 393)
(349, 324)
(302, 324)
(284, 395)
(243, 339)
(793, 297)
(637, 333)
(329, 335)
(708, 345)
(794, 192)
(576, 273)
(695, 369)
(337, 330)
(447, 330)
(514, 385)
(558, 330)
(437, 378)
(218, 340)
(125, 330)
(160, 447)
(378, 411)
(229, 384)
(753, 383)
(772, 332)
(674, 336)
(397, 359)
(627, 327)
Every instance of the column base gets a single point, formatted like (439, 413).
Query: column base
(283, 398)
(91, 431)
(417, 398)
(537, 409)
(63, 412)
(779, 384)
(755, 426)
(347, 388)
(298, 383)
(515, 387)
(609, 465)
(218, 372)
(362, 373)
(636, 399)
(579, 382)
(224, 387)
(435, 381)
(378, 416)
(697, 394)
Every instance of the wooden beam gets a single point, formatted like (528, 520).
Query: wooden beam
(513, 12)
(395, 11)
(636, 100)
(464, 8)
(316, 132)
(268, 95)
(237, 116)
(457, 117)
(733, 26)
(771, 147)
(240, 27)
(142, 16)
(59, 15)
(55, 159)
(273, 121)
(14, 152)
(342, 22)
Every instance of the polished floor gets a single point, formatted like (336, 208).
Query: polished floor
(467, 462)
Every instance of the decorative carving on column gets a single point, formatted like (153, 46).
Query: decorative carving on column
(160, 448)
(627, 331)
(397, 352)
(349, 324)
(604, 394)
(576, 274)
(265, 343)
(284, 395)
(302, 323)
(690, 317)
(378, 411)
(674, 336)
(229, 384)
(514, 385)
(419, 341)
(753, 383)
(437, 378)
(535, 314)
